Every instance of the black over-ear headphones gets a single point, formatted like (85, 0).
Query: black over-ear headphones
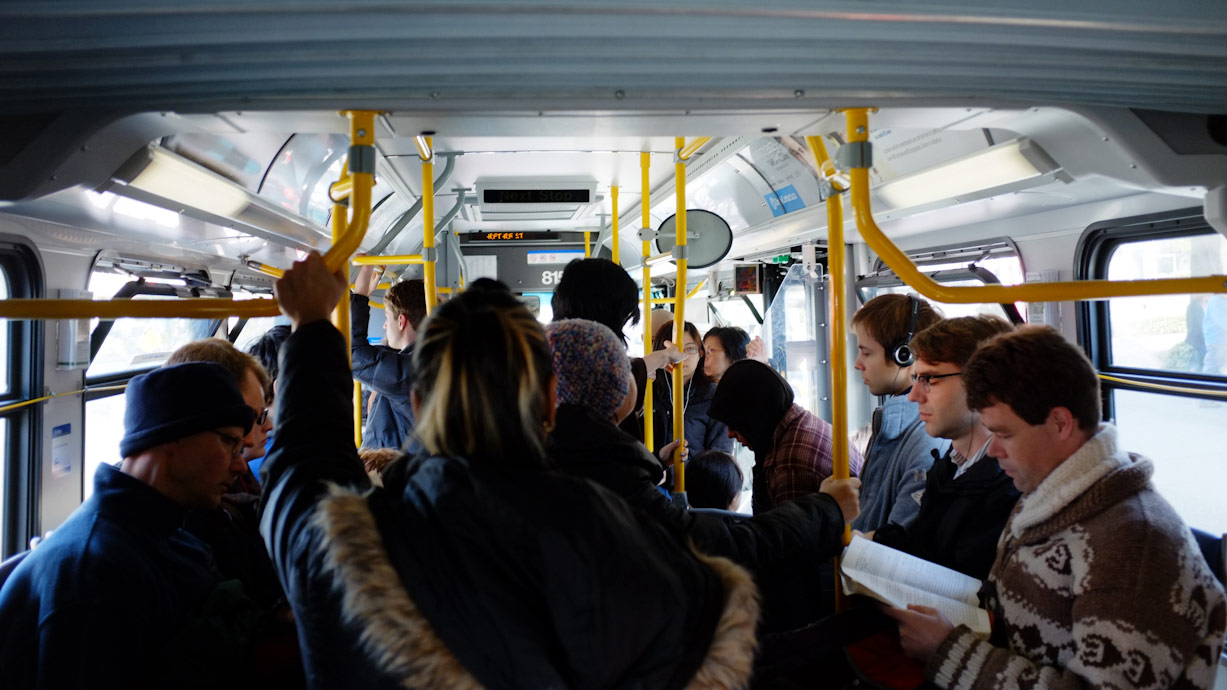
(901, 351)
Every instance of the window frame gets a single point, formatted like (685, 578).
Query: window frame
(1094, 252)
(22, 265)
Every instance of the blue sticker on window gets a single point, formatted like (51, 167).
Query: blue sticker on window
(784, 200)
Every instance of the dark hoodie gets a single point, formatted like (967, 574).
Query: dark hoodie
(752, 400)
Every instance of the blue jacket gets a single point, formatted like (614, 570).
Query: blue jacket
(120, 597)
(385, 371)
(896, 464)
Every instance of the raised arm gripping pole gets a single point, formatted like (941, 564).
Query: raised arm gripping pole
(858, 134)
(645, 162)
(361, 167)
(679, 315)
(839, 362)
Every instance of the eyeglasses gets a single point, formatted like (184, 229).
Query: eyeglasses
(235, 442)
(690, 350)
(260, 418)
(926, 380)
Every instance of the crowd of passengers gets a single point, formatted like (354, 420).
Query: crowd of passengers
(504, 525)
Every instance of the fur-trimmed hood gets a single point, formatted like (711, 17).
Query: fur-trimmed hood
(404, 645)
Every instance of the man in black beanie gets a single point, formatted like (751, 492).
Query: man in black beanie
(120, 596)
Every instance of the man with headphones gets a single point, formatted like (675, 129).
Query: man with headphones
(900, 452)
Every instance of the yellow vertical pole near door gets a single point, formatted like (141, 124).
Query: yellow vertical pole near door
(839, 360)
(679, 314)
(359, 167)
(428, 228)
(587, 244)
(617, 242)
(645, 162)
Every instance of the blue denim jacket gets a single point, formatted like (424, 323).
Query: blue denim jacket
(896, 465)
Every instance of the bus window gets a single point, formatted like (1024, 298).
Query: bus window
(1176, 340)
(992, 262)
(104, 428)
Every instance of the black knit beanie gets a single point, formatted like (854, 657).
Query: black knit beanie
(177, 401)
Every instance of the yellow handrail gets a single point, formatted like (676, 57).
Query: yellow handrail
(587, 244)
(858, 132)
(645, 162)
(689, 150)
(679, 318)
(696, 289)
(35, 401)
(428, 225)
(617, 243)
(362, 136)
(839, 365)
(1160, 386)
(265, 268)
(388, 260)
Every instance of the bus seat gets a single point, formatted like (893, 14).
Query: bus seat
(10, 564)
(1212, 550)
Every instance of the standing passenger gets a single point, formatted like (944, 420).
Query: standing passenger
(967, 497)
(119, 596)
(386, 369)
(722, 346)
(900, 452)
(702, 432)
(792, 448)
(1097, 582)
(476, 566)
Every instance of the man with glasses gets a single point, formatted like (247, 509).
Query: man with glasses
(1097, 582)
(967, 496)
(119, 595)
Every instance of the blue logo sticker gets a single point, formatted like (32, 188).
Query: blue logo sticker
(784, 200)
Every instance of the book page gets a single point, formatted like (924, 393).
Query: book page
(866, 557)
(900, 595)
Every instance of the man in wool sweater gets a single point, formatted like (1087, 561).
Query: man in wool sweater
(1097, 582)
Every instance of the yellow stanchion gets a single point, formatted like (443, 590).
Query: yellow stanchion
(587, 244)
(357, 414)
(428, 228)
(388, 260)
(679, 316)
(617, 244)
(645, 162)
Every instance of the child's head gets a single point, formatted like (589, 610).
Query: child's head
(713, 480)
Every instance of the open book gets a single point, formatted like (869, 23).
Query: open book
(899, 579)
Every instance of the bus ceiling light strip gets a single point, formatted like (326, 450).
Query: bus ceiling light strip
(1004, 164)
(858, 141)
(157, 171)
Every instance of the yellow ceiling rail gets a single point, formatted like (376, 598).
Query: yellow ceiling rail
(858, 134)
(341, 189)
(428, 221)
(389, 260)
(839, 361)
(645, 163)
(1157, 387)
(696, 289)
(264, 268)
(361, 167)
(679, 315)
(688, 150)
(35, 401)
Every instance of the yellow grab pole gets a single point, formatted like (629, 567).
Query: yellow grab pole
(587, 244)
(357, 414)
(617, 245)
(679, 316)
(839, 360)
(858, 132)
(696, 289)
(389, 260)
(361, 169)
(428, 229)
(265, 269)
(690, 149)
(341, 315)
(645, 162)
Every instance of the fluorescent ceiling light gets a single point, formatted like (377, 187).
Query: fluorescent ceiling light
(177, 179)
(997, 166)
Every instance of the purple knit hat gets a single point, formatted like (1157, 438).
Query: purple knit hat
(591, 365)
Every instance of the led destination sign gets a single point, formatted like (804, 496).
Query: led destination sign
(535, 196)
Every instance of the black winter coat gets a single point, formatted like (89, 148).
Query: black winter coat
(458, 575)
(387, 372)
(785, 548)
(702, 431)
(960, 520)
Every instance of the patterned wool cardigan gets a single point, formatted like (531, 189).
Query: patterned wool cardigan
(1097, 584)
